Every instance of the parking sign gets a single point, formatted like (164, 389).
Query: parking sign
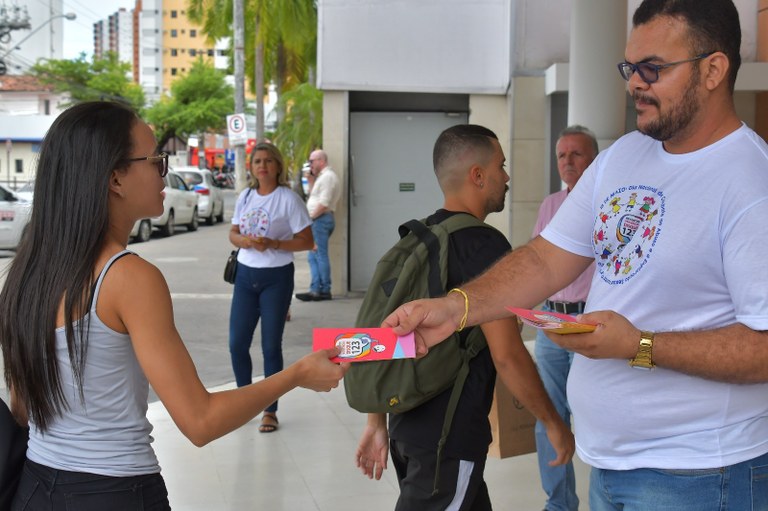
(238, 135)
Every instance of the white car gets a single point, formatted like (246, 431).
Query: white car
(14, 216)
(26, 191)
(142, 230)
(179, 206)
(210, 203)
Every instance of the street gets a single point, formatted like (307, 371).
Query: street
(193, 264)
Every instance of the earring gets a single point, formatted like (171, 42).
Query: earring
(481, 185)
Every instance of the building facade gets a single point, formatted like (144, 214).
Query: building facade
(395, 73)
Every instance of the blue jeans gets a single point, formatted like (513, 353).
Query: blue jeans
(46, 489)
(319, 263)
(260, 293)
(559, 483)
(740, 487)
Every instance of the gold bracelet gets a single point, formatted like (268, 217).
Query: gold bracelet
(463, 321)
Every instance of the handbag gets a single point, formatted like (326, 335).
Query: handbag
(230, 269)
(13, 454)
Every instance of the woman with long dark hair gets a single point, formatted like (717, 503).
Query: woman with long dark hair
(86, 325)
(269, 224)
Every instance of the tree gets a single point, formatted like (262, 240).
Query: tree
(101, 79)
(280, 44)
(301, 131)
(199, 102)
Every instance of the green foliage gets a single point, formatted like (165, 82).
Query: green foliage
(101, 79)
(199, 101)
(302, 128)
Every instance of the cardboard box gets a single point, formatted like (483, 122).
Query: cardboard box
(512, 425)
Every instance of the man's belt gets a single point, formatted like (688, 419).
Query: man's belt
(566, 307)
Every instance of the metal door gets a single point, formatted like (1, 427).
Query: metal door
(391, 181)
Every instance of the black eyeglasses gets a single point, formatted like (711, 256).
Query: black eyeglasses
(161, 161)
(648, 72)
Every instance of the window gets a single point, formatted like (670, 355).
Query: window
(174, 32)
(192, 32)
(19, 166)
(174, 52)
(174, 14)
(47, 107)
(210, 53)
(193, 53)
(173, 71)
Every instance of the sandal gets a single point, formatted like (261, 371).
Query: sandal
(269, 423)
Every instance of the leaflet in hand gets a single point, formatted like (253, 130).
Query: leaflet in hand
(551, 321)
(364, 344)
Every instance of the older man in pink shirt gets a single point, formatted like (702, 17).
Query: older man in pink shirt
(576, 148)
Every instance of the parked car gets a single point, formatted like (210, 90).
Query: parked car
(210, 199)
(142, 230)
(26, 191)
(14, 216)
(179, 206)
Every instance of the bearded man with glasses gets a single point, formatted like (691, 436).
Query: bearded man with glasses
(669, 394)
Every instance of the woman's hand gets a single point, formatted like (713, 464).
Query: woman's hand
(318, 373)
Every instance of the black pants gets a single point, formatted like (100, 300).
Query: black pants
(45, 489)
(461, 488)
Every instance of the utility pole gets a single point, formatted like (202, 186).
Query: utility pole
(239, 26)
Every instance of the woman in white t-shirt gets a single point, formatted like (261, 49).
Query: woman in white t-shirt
(269, 224)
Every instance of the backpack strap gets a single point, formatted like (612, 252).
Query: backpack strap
(429, 239)
(453, 401)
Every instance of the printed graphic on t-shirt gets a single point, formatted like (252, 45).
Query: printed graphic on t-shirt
(628, 225)
(255, 223)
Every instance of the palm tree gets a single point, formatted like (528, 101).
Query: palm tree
(281, 42)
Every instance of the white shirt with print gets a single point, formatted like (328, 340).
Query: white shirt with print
(278, 215)
(679, 242)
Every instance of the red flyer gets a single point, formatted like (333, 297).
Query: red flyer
(364, 344)
(551, 321)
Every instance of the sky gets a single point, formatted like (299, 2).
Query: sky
(78, 33)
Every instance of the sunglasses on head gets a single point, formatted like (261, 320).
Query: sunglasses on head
(160, 161)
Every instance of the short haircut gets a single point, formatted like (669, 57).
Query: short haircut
(713, 25)
(453, 141)
(578, 129)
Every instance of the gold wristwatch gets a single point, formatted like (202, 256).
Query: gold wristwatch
(644, 357)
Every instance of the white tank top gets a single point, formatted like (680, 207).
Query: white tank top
(108, 433)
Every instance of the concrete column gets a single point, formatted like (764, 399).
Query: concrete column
(597, 93)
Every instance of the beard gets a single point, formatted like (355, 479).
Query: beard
(496, 205)
(679, 117)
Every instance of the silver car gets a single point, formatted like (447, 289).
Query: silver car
(14, 216)
(210, 204)
(179, 206)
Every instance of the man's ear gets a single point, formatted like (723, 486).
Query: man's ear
(477, 175)
(716, 68)
(116, 183)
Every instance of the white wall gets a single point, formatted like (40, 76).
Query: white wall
(150, 44)
(414, 46)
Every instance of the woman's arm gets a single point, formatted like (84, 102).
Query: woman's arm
(138, 294)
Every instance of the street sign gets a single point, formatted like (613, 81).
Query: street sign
(236, 126)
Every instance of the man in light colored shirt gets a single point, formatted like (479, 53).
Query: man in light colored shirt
(576, 148)
(324, 194)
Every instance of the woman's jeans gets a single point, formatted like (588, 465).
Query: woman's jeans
(45, 489)
(740, 487)
(319, 262)
(260, 293)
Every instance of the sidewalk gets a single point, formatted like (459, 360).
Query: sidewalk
(308, 464)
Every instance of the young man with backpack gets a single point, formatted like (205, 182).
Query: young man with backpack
(469, 164)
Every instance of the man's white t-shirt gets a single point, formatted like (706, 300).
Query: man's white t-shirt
(679, 242)
(278, 216)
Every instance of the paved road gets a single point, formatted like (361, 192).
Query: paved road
(193, 263)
